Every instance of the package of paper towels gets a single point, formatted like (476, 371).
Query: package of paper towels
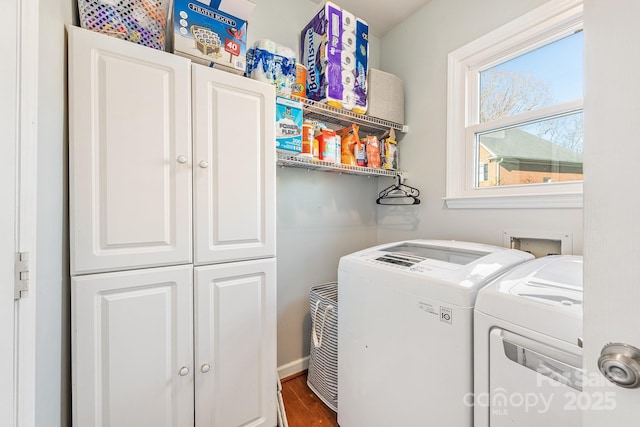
(385, 96)
(335, 49)
(272, 63)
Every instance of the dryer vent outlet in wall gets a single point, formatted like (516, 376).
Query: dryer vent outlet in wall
(539, 244)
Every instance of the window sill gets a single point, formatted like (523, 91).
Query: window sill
(541, 201)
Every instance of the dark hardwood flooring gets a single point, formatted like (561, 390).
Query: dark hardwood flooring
(303, 407)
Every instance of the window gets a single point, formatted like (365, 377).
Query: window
(515, 122)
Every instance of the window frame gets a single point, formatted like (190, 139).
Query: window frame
(543, 25)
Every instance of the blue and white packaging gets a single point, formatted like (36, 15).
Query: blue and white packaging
(288, 125)
(361, 68)
(272, 63)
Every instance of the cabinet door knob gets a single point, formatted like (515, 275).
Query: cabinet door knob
(182, 159)
(205, 368)
(184, 371)
(203, 164)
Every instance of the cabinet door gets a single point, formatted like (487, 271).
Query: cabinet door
(130, 155)
(235, 348)
(234, 167)
(132, 348)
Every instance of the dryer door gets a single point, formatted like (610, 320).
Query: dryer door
(532, 384)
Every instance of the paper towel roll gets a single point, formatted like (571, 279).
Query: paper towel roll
(265, 44)
(285, 51)
(349, 42)
(348, 21)
(348, 61)
(263, 65)
(348, 79)
(278, 69)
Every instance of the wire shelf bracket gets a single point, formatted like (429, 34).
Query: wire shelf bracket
(326, 113)
(288, 160)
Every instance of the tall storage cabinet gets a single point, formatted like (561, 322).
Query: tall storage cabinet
(172, 232)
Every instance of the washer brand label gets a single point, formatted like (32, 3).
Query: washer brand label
(446, 315)
(428, 308)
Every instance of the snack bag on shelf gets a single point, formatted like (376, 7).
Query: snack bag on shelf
(389, 151)
(360, 152)
(308, 137)
(373, 151)
(327, 140)
(349, 138)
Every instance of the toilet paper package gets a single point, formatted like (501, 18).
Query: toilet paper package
(288, 125)
(321, 48)
(349, 42)
(348, 81)
(361, 66)
(335, 49)
(348, 22)
(347, 61)
(272, 63)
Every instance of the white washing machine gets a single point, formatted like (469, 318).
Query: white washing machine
(405, 331)
(527, 339)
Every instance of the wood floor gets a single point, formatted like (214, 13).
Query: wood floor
(303, 407)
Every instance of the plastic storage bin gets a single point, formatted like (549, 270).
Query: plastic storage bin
(139, 21)
(322, 378)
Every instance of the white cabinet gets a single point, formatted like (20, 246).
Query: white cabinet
(234, 167)
(131, 163)
(133, 348)
(129, 155)
(172, 224)
(234, 336)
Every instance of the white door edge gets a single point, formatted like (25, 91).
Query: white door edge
(26, 177)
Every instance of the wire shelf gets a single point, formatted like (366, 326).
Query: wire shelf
(338, 116)
(289, 160)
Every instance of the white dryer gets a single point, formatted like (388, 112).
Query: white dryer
(405, 331)
(527, 339)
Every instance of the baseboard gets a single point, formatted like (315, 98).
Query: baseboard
(293, 368)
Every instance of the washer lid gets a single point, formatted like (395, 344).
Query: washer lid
(410, 253)
(544, 294)
(445, 270)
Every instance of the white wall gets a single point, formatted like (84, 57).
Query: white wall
(427, 38)
(321, 216)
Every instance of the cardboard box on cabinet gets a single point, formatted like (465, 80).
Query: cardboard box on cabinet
(209, 33)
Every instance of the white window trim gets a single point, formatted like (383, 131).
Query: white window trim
(549, 22)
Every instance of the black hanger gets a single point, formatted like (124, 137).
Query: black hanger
(399, 194)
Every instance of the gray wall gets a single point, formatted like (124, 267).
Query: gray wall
(321, 216)
(429, 35)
